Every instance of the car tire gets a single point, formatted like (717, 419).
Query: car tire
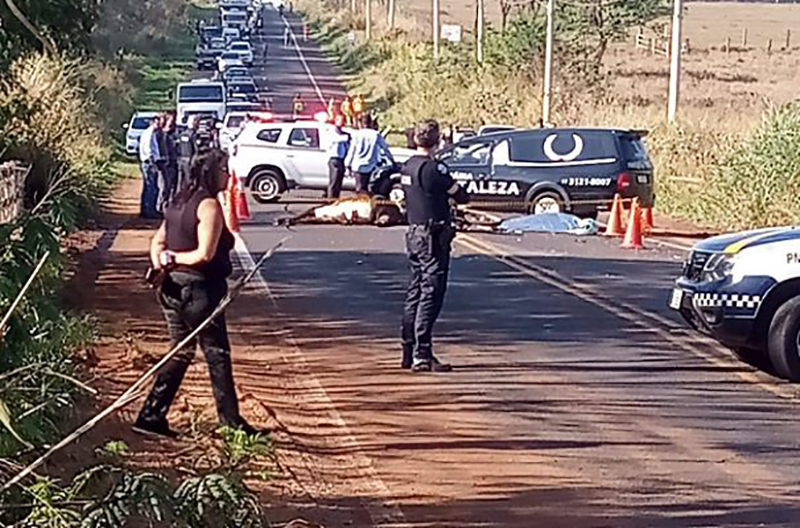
(784, 340)
(546, 202)
(267, 186)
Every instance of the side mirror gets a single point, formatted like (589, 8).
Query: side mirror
(218, 125)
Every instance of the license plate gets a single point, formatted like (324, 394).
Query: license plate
(642, 178)
(676, 300)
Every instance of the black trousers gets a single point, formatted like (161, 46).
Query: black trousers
(428, 248)
(362, 182)
(336, 177)
(187, 300)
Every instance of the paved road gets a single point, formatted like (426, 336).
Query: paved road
(578, 400)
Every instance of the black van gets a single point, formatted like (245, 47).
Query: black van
(577, 170)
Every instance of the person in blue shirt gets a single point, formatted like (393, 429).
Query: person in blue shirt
(364, 155)
(149, 156)
(337, 152)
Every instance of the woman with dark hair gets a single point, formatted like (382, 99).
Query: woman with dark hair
(192, 250)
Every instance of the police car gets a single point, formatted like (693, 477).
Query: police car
(744, 290)
(550, 170)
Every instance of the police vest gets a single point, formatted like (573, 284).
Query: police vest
(423, 206)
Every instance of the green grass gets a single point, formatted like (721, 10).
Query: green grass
(159, 74)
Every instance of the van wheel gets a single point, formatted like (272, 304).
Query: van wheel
(267, 186)
(784, 340)
(546, 202)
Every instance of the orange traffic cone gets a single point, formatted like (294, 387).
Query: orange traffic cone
(242, 209)
(614, 227)
(633, 236)
(648, 220)
(229, 207)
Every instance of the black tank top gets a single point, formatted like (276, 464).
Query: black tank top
(181, 222)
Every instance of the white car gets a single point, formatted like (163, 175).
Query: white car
(200, 97)
(228, 60)
(231, 34)
(138, 123)
(275, 157)
(244, 50)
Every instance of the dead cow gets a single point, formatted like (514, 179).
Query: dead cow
(361, 210)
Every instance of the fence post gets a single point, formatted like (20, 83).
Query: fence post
(769, 46)
(788, 39)
(728, 45)
(744, 38)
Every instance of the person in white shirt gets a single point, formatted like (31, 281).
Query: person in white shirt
(337, 152)
(364, 154)
(149, 156)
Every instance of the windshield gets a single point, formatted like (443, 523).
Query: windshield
(234, 17)
(210, 32)
(243, 88)
(240, 47)
(235, 122)
(140, 123)
(229, 55)
(201, 93)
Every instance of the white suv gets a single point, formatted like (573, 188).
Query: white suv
(244, 50)
(275, 157)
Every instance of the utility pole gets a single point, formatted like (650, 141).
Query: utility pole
(353, 6)
(675, 62)
(368, 17)
(391, 14)
(548, 63)
(436, 29)
(479, 36)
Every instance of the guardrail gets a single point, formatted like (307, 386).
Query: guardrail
(12, 187)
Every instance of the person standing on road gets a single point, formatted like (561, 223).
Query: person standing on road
(366, 148)
(161, 164)
(191, 251)
(287, 37)
(187, 148)
(266, 51)
(149, 155)
(337, 152)
(428, 189)
(171, 146)
(298, 106)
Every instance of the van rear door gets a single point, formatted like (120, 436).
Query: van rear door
(637, 164)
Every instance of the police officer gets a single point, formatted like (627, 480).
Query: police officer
(428, 188)
(187, 148)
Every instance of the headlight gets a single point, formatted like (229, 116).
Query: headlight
(718, 267)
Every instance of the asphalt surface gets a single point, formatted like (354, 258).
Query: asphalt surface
(577, 398)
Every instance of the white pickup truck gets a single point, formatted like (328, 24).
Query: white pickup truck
(275, 157)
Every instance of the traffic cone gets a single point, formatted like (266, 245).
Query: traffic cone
(633, 236)
(242, 209)
(614, 227)
(648, 220)
(229, 207)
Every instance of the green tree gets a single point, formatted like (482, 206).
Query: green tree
(68, 24)
(584, 29)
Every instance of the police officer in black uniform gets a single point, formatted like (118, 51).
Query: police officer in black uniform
(429, 188)
(187, 148)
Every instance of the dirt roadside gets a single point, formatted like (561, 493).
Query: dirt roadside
(276, 390)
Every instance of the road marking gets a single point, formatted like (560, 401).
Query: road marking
(627, 312)
(381, 513)
(303, 60)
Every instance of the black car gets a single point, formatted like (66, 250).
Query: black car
(243, 90)
(577, 170)
(207, 59)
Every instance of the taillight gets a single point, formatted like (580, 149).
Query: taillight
(623, 181)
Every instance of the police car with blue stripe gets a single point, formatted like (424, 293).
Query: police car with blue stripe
(744, 290)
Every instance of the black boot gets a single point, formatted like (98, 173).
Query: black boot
(154, 428)
(408, 358)
(431, 365)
